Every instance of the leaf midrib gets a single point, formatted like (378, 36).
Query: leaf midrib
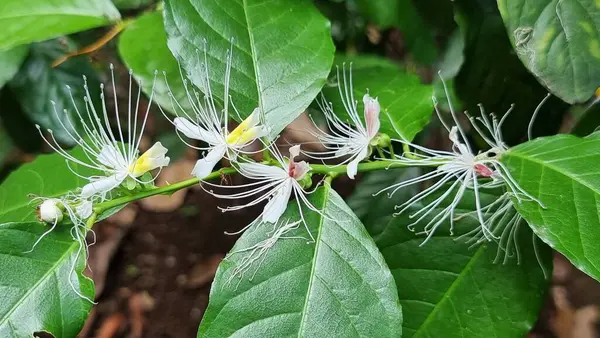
(450, 290)
(326, 189)
(48, 273)
(253, 55)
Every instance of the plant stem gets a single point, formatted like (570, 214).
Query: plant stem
(331, 170)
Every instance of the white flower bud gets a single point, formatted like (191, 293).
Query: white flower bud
(49, 211)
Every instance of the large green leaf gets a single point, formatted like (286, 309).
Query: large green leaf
(47, 176)
(559, 42)
(282, 51)
(38, 83)
(10, 61)
(36, 286)
(448, 288)
(562, 171)
(492, 75)
(405, 98)
(147, 58)
(337, 287)
(25, 21)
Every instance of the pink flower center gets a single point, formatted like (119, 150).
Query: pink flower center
(483, 170)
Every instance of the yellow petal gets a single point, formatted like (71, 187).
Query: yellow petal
(246, 131)
(153, 158)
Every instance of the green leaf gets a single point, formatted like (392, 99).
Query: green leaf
(558, 41)
(406, 99)
(10, 61)
(493, 75)
(36, 293)
(282, 51)
(36, 20)
(38, 84)
(337, 287)
(146, 58)
(449, 289)
(562, 171)
(47, 176)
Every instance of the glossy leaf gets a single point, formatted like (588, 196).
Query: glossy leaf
(448, 288)
(282, 51)
(562, 171)
(406, 99)
(493, 75)
(10, 61)
(47, 176)
(36, 293)
(558, 41)
(337, 287)
(147, 58)
(38, 84)
(28, 21)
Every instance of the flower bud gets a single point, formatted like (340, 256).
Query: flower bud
(306, 181)
(382, 140)
(49, 211)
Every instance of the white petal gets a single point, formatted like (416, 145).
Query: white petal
(253, 170)
(352, 168)
(294, 151)
(84, 210)
(111, 157)
(194, 131)
(205, 165)
(278, 203)
(301, 169)
(103, 185)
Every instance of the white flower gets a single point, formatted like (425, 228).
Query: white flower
(343, 141)
(456, 171)
(209, 124)
(273, 183)
(115, 154)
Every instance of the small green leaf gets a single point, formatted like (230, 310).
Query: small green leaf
(559, 42)
(38, 84)
(337, 287)
(38, 287)
(282, 51)
(562, 171)
(449, 288)
(405, 98)
(47, 176)
(146, 58)
(23, 22)
(10, 61)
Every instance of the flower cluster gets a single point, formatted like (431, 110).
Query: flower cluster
(348, 139)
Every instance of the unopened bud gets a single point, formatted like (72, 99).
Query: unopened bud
(49, 211)
(381, 140)
(306, 181)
